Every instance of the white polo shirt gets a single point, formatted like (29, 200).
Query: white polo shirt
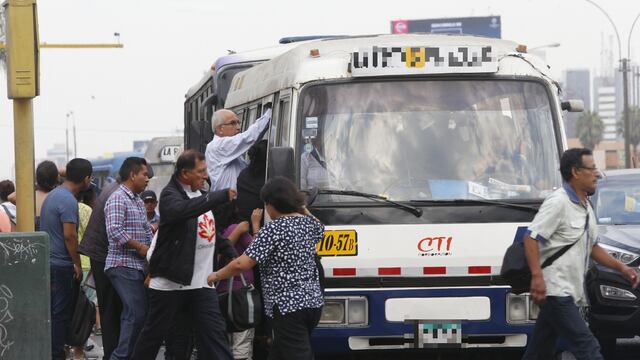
(561, 220)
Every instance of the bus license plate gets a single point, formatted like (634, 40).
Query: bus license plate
(438, 334)
(338, 243)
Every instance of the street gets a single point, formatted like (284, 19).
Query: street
(627, 349)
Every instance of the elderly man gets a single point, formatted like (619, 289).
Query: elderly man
(224, 152)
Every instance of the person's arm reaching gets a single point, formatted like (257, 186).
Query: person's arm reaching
(235, 267)
(240, 229)
(231, 147)
(173, 207)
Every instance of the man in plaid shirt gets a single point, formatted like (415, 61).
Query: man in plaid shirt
(129, 237)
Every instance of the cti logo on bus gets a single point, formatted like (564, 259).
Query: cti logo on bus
(435, 246)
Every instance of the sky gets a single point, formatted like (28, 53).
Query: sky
(137, 92)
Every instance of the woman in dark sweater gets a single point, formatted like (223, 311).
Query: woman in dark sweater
(286, 245)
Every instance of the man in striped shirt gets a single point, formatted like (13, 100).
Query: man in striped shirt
(129, 237)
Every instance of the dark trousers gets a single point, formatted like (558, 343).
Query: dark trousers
(292, 334)
(129, 283)
(180, 340)
(61, 282)
(204, 314)
(110, 308)
(560, 318)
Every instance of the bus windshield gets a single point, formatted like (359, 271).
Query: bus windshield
(429, 139)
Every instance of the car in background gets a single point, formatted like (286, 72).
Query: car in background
(614, 306)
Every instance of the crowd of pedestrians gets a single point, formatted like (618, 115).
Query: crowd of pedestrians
(152, 260)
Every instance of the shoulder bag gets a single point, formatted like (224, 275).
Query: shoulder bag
(241, 308)
(515, 269)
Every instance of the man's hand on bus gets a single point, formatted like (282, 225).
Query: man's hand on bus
(538, 288)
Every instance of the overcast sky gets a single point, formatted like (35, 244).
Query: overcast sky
(121, 95)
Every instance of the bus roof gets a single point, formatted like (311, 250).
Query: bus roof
(297, 66)
(262, 54)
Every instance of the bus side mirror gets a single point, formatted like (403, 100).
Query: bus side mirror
(281, 162)
(574, 105)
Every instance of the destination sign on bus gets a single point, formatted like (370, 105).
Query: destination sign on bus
(381, 60)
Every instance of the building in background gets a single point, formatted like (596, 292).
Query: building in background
(58, 154)
(577, 85)
(489, 26)
(606, 99)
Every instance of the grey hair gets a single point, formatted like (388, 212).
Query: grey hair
(217, 119)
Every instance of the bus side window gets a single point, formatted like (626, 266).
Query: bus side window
(251, 117)
(284, 120)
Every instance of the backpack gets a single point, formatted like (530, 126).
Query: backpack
(83, 319)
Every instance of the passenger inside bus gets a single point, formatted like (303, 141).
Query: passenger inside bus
(313, 166)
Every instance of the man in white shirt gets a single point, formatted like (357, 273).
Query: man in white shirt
(224, 152)
(566, 218)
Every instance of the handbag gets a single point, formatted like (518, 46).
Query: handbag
(241, 308)
(83, 319)
(515, 269)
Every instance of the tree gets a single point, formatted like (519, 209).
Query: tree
(589, 128)
(634, 127)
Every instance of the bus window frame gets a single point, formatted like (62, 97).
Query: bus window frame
(556, 113)
(284, 120)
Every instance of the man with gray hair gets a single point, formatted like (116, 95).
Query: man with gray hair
(224, 152)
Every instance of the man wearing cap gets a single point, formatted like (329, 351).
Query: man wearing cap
(224, 152)
(150, 203)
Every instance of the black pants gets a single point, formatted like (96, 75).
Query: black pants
(110, 308)
(204, 314)
(292, 334)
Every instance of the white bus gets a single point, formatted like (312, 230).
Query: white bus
(425, 156)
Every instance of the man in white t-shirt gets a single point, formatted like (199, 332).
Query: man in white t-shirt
(182, 258)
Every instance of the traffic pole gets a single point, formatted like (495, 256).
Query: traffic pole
(22, 86)
(628, 153)
(24, 157)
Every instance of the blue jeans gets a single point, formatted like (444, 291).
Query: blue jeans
(560, 318)
(61, 308)
(129, 284)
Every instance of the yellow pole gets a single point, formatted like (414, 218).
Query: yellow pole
(23, 139)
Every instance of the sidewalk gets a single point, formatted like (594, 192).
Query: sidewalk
(97, 353)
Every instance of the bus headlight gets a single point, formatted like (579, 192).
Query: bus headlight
(343, 311)
(521, 309)
(333, 312)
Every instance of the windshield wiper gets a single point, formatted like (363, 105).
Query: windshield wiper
(412, 209)
(481, 201)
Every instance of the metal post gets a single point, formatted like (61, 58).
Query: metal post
(75, 142)
(66, 141)
(23, 144)
(625, 113)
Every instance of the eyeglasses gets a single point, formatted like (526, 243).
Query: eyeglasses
(592, 169)
(233, 122)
